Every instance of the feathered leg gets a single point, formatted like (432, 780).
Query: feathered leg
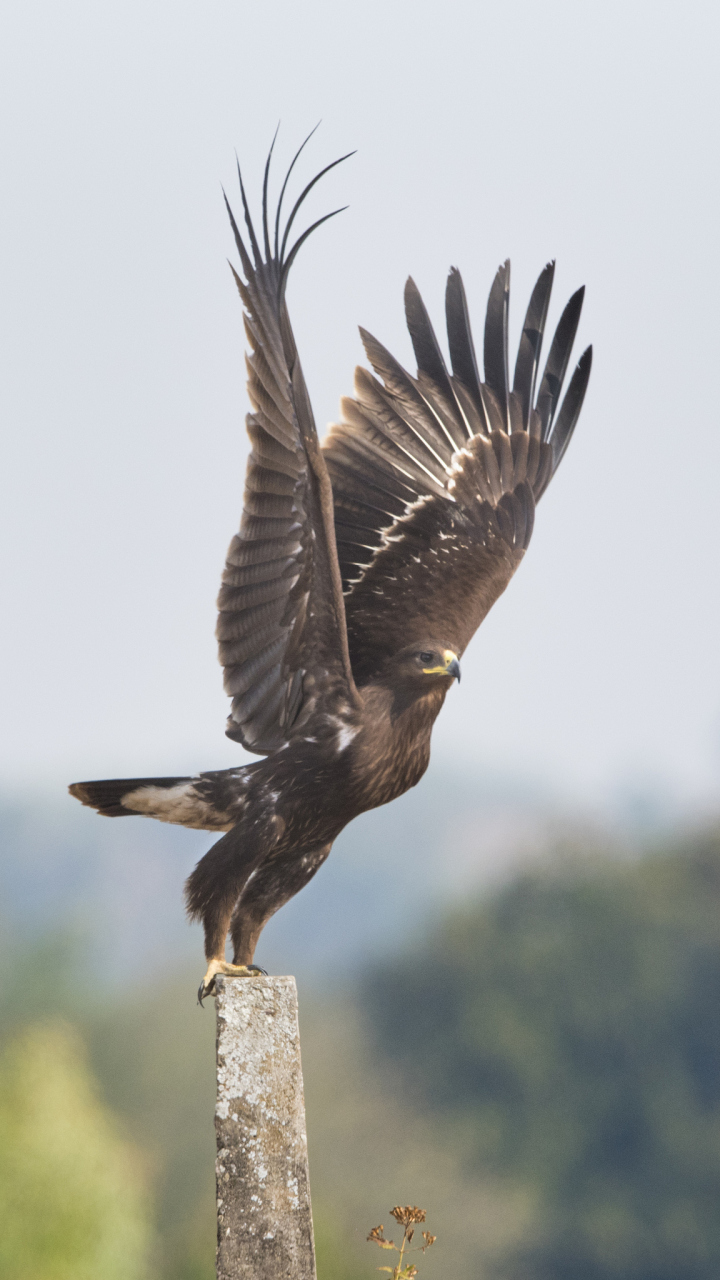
(211, 892)
(274, 883)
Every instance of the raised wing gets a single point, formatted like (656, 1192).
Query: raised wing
(435, 478)
(281, 624)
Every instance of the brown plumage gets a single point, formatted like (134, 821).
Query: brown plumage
(361, 570)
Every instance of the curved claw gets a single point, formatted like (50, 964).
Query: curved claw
(207, 985)
(204, 991)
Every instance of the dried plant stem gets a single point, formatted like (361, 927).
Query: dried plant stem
(407, 1218)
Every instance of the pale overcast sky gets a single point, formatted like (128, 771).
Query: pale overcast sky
(587, 133)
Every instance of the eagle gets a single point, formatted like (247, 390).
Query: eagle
(362, 568)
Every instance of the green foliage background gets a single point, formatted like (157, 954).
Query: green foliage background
(570, 1030)
(541, 1072)
(73, 1204)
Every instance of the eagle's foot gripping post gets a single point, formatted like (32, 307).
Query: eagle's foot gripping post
(207, 986)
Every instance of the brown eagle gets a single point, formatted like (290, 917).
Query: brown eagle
(362, 569)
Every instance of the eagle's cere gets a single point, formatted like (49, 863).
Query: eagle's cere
(362, 568)
(449, 665)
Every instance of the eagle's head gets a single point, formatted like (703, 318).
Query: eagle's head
(422, 666)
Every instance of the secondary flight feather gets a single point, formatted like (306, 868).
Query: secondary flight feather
(360, 572)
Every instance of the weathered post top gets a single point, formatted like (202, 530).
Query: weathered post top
(263, 1187)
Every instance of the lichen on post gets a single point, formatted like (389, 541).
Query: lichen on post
(263, 1188)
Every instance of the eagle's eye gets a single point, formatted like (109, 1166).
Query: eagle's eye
(426, 657)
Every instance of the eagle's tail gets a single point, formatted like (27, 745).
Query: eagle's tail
(107, 796)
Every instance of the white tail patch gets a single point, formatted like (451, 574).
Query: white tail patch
(181, 805)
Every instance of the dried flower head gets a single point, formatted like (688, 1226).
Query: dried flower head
(376, 1237)
(408, 1215)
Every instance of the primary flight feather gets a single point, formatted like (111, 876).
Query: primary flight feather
(361, 570)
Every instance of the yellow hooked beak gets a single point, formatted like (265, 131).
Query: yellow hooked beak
(451, 667)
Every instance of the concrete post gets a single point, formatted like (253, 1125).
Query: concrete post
(263, 1188)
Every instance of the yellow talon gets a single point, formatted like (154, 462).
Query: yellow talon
(229, 970)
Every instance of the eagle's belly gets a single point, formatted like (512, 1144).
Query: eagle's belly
(373, 772)
(305, 795)
(301, 797)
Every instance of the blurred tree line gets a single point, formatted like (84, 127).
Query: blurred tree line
(569, 1030)
(541, 1073)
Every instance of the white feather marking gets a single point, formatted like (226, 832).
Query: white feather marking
(344, 737)
(181, 805)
